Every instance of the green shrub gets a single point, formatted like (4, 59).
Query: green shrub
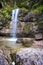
(39, 23)
(13, 56)
(24, 10)
(38, 9)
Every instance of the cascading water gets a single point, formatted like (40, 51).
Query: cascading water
(13, 25)
(14, 22)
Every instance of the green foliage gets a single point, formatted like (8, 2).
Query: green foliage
(21, 3)
(5, 15)
(9, 5)
(18, 2)
(7, 9)
(5, 12)
(13, 56)
(39, 23)
(24, 10)
(38, 9)
(18, 63)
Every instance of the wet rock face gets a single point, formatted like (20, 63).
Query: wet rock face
(40, 16)
(30, 17)
(30, 56)
(3, 61)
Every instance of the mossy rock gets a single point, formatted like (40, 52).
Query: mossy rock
(27, 43)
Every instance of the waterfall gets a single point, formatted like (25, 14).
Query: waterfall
(14, 19)
(13, 25)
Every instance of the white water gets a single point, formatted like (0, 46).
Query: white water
(13, 26)
(13, 63)
(14, 19)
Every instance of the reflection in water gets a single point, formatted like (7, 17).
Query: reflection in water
(10, 43)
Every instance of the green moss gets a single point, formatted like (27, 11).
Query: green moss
(24, 10)
(5, 12)
(5, 15)
(38, 9)
(39, 23)
(21, 3)
(27, 28)
(27, 43)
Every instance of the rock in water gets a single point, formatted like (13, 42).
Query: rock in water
(3, 61)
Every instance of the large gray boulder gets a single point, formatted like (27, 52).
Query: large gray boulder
(30, 56)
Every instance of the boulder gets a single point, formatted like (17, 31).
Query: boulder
(29, 56)
(38, 36)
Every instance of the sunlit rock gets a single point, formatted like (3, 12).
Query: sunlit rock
(30, 56)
